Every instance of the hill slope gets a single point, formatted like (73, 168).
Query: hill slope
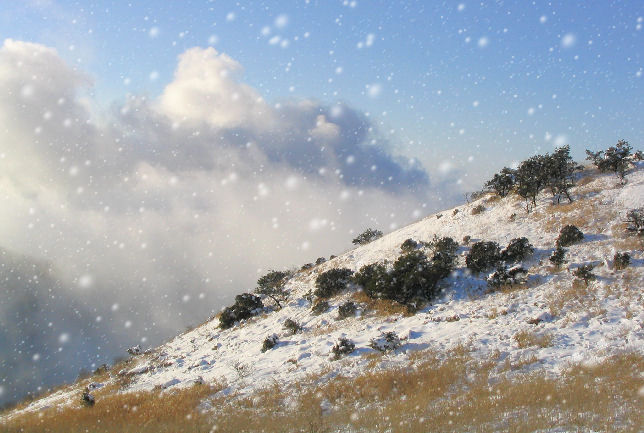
(551, 330)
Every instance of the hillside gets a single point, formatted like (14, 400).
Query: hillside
(550, 353)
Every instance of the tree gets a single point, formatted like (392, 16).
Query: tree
(560, 172)
(246, 305)
(367, 236)
(615, 159)
(531, 178)
(272, 286)
(502, 182)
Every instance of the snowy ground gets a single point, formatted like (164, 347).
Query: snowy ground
(585, 330)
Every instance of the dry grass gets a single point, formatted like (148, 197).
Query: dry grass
(527, 339)
(380, 307)
(576, 296)
(454, 393)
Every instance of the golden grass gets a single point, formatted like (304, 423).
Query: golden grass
(432, 394)
(380, 307)
(577, 296)
(529, 338)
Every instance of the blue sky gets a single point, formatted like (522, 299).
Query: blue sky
(494, 81)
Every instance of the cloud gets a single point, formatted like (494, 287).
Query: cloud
(150, 217)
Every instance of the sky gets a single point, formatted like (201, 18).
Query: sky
(157, 157)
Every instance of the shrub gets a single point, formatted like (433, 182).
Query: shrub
(506, 277)
(558, 257)
(332, 282)
(483, 255)
(635, 219)
(343, 347)
(135, 350)
(272, 284)
(292, 326)
(569, 235)
(320, 307)
(320, 260)
(517, 250)
(386, 342)
(412, 276)
(367, 236)
(306, 266)
(584, 273)
(246, 306)
(444, 245)
(87, 399)
(478, 209)
(373, 278)
(615, 159)
(348, 309)
(270, 342)
(621, 260)
(409, 245)
(502, 182)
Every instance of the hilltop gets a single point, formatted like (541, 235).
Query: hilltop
(549, 352)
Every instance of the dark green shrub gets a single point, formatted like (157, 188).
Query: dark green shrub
(409, 245)
(558, 257)
(367, 236)
(269, 342)
(478, 209)
(320, 307)
(343, 347)
(585, 273)
(412, 276)
(373, 279)
(246, 306)
(517, 250)
(503, 182)
(621, 260)
(292, 326)
(615, 159)
(635, 220)
(444, 245)
(332, 282)
(272, 284)
(483, 255)
(320, 260)
(348, 309)
(504, 277)
(386, 342)
(569, 235)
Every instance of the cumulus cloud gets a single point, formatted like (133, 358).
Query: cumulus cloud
(150, 217)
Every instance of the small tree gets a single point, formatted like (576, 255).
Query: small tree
(560, 172)
(367, 236)
(343, 347)
(272, 284)
(246, 306)
(483, 255)
(346, 310)
(531, 178)
(503, 182)
(517, 250)
(635, 219)
(569, 235)
(615, 159)
(332, 282)
(386, 342)
(621, 260)
(558, 257)
(292, 326)
(373, 278)
(585, 273)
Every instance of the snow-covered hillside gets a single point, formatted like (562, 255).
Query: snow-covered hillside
(575, 323)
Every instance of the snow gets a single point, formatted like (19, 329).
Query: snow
(466, 315)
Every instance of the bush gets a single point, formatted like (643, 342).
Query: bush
(320, 260)
(320, 307)
(270, 342)
(558, 257)
(478, 209)
(444, 245)
(483, 255)
(615, 159)
(584, 273)
(412, 276)
(87, 399)
(343, 347)
(367, 236)
(386, 342)
(272, 284)
(635, 219)
(466, 239)
(569, 235)
(332, 282)
(507, 277)
(292, 326)
(517, 250)
(306, 266)
(348, 309)
(621, 260)
(409, 245)
(373, 278)
(246, 306)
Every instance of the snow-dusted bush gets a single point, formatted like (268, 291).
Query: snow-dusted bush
(409, 245)
(343, 347)
(332, 282)
(635, 220)
(504, 276)
(373, 279)
(569, 235)
(444, 245)
(320, 307)
(558, 256)
(348, 309)
(246, 306)
(292, 326)
(270, 342)
(367, 236)
(621, 260)
(135, 350)
(615, 158)
(386, 342)
(87, 398)
(478, 209)
(585, 273)
(517, 250)
(483, 255)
